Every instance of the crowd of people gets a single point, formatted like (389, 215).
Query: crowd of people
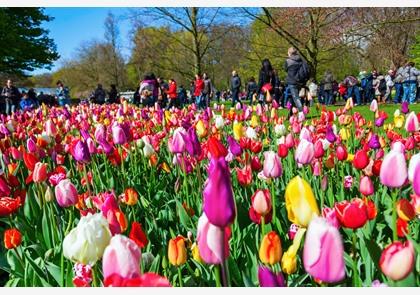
(297, 89)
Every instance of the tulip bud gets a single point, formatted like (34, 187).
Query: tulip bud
(300, 202)
(267, 278)
(318, 149)
(272, 165)
(49, 195)
(412, 123)
(177, 252)
(66, 193)
(270, 249)
(361, 160)
(366, 186)
(397, 260)
(341, 153)
(261, 202)
(351, 214)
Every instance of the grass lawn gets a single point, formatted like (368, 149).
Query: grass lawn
(362, 109)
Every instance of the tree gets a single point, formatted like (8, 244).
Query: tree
(25, 45)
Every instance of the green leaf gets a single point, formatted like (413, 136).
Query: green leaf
(46, 229)
(183, 216)
(54, 271)
(13, 282)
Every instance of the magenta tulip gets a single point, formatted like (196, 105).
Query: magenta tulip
(218, 203)
(318, 149)
(267, 278)
(177, 144)
(323, 253)
(118, 135)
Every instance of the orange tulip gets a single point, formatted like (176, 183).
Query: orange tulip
(177, 252)
(12, 238)
(270, 249)
(130, 196)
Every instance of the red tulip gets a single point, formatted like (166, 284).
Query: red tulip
(40, 172)
(9, 206)
(137, 235)
(376, 168)
(402, 228)
(361, 160)
(244, 175)
(341, 153)
(255, 164)
(282, 150)
(256, 146)
(371, 209)
(352, 214)
(319, 149)
(216, 148)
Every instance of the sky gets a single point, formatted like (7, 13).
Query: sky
(73, 26)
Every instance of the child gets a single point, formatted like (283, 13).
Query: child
(26, 103)
(342, 90)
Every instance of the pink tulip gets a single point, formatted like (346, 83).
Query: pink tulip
(4, 188)
(290, 142)
(31, 145)
(122, 257)
(374, 106)
(323, 253)
(318, 149)
(393, 171)
(118, 135)
(414, 163)
(272, 165)
(305, 134)
(366, 186)
(317, 168)
(330, 215)
(50, 128)
(91, 146)
(416, 180)
(40, 172)
(397, 260)
(304, 152)
(211, 240)
(261, 202)
(177, 142)
(412, 123)
(66, 193)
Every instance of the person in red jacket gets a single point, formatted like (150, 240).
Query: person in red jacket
(199, 86)
(172, 94)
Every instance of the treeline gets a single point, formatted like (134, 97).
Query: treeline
(179, 42)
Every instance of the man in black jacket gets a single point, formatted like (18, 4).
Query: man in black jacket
(11, 97)
(292, 66)
(235, 86)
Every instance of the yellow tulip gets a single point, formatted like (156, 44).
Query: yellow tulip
(201, 129)
(288, 261)
(300, 202)
(238, 131)
(270, 249)
(345, 133)
(399, 121)
(254, 121)
(196, 253)
(350, 158)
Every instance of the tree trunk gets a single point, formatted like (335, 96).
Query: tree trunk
(196, 42)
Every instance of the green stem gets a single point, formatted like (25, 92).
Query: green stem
(273, 200)
(87, 180)
(180, 277)
(217, 275)
(70, 222)
(354, 252)
(394, 215)
(262, 227)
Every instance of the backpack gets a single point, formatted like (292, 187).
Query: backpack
(302, 75)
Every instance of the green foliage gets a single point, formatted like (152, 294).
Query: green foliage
(25, 45)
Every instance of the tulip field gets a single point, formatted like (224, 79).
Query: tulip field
(118, 195)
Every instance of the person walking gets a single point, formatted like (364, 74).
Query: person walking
(389, 85)
(113, 94)
(172, 94)
(410, 74)
(198, 90)
(297, 75)
(235, 87)
(11, 96)
(328, 87)
(398, 84)
(266, 82)
(251, 89)
(352, 88)
(207, 91)
(99, 95)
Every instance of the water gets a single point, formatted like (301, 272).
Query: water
(50, 91)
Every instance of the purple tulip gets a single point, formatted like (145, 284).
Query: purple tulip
(80, 152)
(330, 136)
(404, 107)
(374, 142)
(219, 204)
(269, 279)
(100, 132)
(192, 144)
(106, 146)
(379, 122)
(118, 135)
(234, 147)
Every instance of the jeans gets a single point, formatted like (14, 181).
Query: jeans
(328, 96)
(63, 101)
(398, 92)
(235, 97)
(410, 89)
(198, 101)
(294, 91)
(388, 94)
(204, 100)
(354, 91)
(10, 107)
